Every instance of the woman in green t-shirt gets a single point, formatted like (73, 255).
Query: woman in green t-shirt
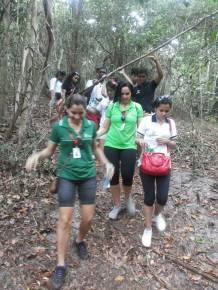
(122, 119)
(75, 136)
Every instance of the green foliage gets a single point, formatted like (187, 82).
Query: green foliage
(115, 32)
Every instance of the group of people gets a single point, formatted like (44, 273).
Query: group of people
(128, 121)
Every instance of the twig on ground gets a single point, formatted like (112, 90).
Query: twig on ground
(161, 281)
(175, 260)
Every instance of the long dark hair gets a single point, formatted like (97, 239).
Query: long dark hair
(68, 81)
(119, 89)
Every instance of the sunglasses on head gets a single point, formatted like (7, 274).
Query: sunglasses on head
(75, 74)
(161, 98)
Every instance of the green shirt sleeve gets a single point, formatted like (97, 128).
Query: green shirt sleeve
(109, 111)
(54, 136)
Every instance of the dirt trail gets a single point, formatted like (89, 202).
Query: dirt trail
(118, 260)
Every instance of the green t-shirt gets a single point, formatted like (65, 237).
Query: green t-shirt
(122, 133)
(68, 166)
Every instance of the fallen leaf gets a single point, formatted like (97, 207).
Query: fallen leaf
(39, 250)
(200, 241)
(196, 278)
(14, 241)
(119, 279)
(186, 257)
(194, 216)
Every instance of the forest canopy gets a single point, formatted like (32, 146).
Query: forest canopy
(40, 37)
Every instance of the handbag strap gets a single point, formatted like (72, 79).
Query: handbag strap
(170, 126)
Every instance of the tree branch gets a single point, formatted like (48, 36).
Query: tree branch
(158, 47)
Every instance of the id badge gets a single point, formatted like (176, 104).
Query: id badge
(76, 152)
(122, 127)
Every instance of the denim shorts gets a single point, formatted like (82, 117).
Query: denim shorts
(67, 190)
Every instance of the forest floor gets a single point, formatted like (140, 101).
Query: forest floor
(185, 256)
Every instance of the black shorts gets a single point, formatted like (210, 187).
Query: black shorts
(155, 188)
(123, 160)
(67, 190)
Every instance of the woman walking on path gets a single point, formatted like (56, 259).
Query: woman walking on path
(156, 133)
(75, 136)
(122, 119)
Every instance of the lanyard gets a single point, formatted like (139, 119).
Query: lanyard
(76, 138)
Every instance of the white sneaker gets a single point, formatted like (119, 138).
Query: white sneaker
(113, 214)
(146, 238)
(130, 205)
(160, 222)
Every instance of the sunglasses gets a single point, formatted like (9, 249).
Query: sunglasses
(123, 116)
(161, 98)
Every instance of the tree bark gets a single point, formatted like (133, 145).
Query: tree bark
(28, 72)
(77, 7)
(4, 85)
(36, 90)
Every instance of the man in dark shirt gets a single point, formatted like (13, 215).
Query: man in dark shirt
(144, 91)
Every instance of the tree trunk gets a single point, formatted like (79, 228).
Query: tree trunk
(28, 72)
(33, 92)
(20, 93)
(4, 84)
(77, 7)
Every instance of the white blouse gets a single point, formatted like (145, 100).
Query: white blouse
(151, 129)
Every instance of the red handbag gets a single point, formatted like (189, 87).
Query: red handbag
(155, 164)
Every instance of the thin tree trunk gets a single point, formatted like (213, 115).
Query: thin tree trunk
(36, 90)
(76, 17)
(4, 85)
(29, 74)
(20, 93)
(60, 59)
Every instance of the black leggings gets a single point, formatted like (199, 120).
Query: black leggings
(124, 159)
(152, 184)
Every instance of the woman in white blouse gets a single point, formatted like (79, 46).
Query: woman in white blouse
(156, 133)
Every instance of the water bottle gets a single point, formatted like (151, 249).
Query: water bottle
(105, 183)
